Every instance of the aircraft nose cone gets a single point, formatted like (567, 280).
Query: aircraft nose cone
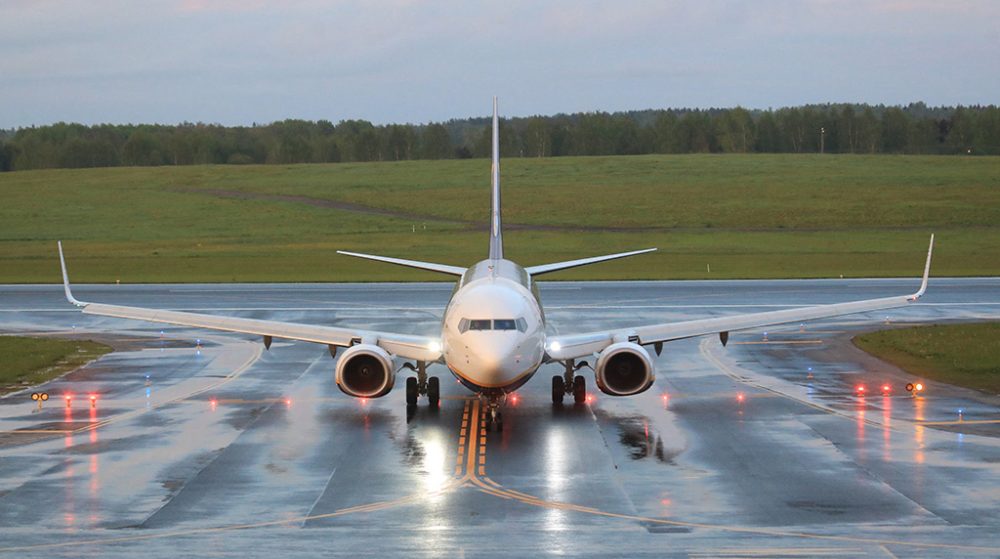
(497, 363)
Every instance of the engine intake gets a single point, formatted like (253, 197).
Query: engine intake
(624, 369)
(365, 371)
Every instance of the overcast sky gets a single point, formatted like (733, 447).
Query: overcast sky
(244, 61)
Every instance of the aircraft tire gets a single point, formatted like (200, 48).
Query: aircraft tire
(411, 391)
(433, 392)
(558, 389)
(579, 389)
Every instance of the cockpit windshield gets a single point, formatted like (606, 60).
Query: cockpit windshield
(466, 324)
(480, 325)
(505, 324)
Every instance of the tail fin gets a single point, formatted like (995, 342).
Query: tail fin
(496, 230)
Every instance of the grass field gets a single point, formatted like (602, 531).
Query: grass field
(31, 361)
(761, 216)
(961, 354)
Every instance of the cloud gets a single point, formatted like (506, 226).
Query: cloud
(239, 61)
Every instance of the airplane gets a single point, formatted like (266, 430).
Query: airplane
(493, 337)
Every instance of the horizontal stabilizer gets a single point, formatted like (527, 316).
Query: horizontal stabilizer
(546, 268)
(430, 266)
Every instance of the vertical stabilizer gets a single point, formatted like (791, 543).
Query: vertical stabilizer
(496, 230)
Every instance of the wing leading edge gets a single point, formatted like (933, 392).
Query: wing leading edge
(407, 346)
(581, 345)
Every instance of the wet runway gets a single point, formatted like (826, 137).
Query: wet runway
(204, 443)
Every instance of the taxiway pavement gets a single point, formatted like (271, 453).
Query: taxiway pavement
(203, 443)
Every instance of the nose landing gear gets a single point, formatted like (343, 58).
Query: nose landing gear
(492, 404)
(570, 383)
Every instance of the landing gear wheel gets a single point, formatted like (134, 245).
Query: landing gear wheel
(580, 390)
(558, 389)
(411, 391)
(494, 420)
(433, 392)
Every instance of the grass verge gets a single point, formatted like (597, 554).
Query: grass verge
(31, 361)
(713, 217)
(960, 354)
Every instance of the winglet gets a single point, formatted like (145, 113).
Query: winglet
(69, 294)
(927, 272)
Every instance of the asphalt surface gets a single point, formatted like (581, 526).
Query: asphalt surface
(203, 443)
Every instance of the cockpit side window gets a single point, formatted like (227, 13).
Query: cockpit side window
(463, 325)
(522, 325)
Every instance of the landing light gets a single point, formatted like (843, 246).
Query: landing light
(919, 387)
(555, 346)
(434, 346)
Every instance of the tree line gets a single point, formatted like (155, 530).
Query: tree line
(832, 128)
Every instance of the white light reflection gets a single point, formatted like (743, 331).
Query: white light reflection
(435, 477)
(555, 477)
(435, 466)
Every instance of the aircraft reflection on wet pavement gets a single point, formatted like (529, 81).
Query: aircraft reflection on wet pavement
(493, 336)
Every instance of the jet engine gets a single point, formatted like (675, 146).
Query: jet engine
(365, 371)
(624, 369)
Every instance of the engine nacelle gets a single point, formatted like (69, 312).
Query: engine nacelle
(624, 369)
(365, 371)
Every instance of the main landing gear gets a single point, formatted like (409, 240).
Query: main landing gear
(423, 385)
(569, 384)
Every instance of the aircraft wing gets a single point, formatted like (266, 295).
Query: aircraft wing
(419, 348)
(575, 346)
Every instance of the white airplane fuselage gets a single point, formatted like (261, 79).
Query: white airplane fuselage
(493, 332)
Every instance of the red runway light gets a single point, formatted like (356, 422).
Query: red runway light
(886, 389)
(860, 389)
(590, 398)
(740, 397)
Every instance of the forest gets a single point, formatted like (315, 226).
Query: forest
(831, 128)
